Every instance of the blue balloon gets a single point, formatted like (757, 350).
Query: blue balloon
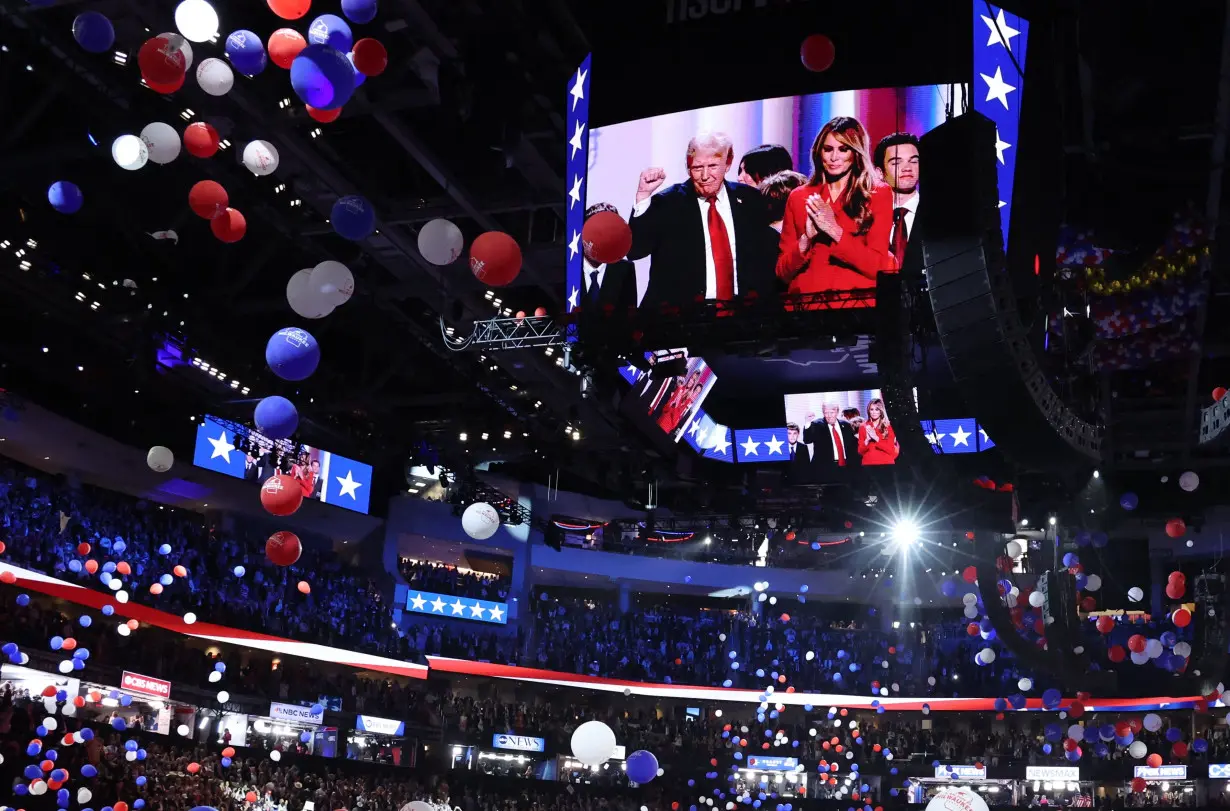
(119, 724)
(226, 763)
(119, 546)
(948, 588)
(239, 571)
(331, 30)
(353, 217)
(246, 52)
(57, 642)
(74, 566)
(276, 417)
(322, 77)
(1129, 501)
(359, 78)
(316, 709)
(1200, 745)
(359, 11)
(292, 354)
(220, 667)
(1071, 559)
(164, 549)
(166, 580)
(108, 610)
(66, 197)
(305, 736)
(141, 780)
(1051, 698)
(23, 599)
(93, 32)
(642, 766)
(109, 567)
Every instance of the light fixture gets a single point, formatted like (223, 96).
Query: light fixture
(1097, 474)
(463, 436)
(905, 533)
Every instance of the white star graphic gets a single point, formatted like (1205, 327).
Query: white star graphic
(721, 445)
(458, 607)
(961, 436)
(578, 90)
(1001, 33)
(935, 436)
(983, 433)
(574, 195)
(774, 445)
(575, 140)
(693, 427)
(417, 601)
(348, 485)
(1001, 204)
(437, 605)
(496, 613)
(1000, 146)
(572, 299)
(997, 88)
(749, 447)
(574, 244)
(701, 436)
(222, 447)
(477, 610)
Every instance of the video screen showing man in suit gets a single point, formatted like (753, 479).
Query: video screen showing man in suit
(842, 430)
(703, 190)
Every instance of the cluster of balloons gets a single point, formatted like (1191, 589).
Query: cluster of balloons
(316, 292)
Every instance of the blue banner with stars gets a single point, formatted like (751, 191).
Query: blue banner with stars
(459, 608)
(577, 171)
(999, 43)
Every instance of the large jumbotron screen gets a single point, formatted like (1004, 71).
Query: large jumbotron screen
(783, 199)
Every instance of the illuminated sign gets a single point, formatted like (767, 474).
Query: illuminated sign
(1219, 770)
(518, 743)
(772, 764)
(380, 726)
(1066, 774)
(1162, 772)
(145, 685)
(956, 772)
(296, 713)
(458, 608)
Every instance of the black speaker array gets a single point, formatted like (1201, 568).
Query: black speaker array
(975, 310)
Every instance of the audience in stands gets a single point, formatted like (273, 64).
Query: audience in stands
(443, 579)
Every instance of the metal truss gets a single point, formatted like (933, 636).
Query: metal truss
(496, 334)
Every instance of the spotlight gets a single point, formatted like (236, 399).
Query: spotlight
(905, 533)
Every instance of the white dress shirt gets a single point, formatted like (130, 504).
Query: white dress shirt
(590, 278)
(911, 208)
(728, 219)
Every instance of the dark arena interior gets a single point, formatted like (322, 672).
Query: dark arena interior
(371, 441)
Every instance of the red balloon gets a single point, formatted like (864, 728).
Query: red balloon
(1219, 393)
(1105, 625)
(1175, 589)
(284, 45)
(160, 63)
(323, 116)
(970, 574)
(1136, 643)
(1076, 709)
(370, 57)
(972, 629)
(229, 226)
(201, 140)
(1179, 749)
(169, 88)
(1181, 618)
(1154, 760)
(1116, 654)
(1176, 528)
(1070, 744)
(541, 312)
(281, 495)
(1088, 604)
(1139, 784)
(208, 199)
(290, 9)
(283, 548)
(817, 53)
(1136, 725)
(495, 258)
(606, 237)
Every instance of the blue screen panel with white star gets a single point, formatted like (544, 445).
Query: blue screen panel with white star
(577, 163)
(223, 447)
(458, 608)
(952, 436)
(761, 445)
(709, 438)
(1000, 39)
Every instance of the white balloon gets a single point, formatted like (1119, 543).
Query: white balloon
(956, 799)
(1189, 481)
(223, 696)
(1153, 648)
(1138, 749)
(162, 141)
(189, 618)
(196, 20)
(333, 281)
(1076, 732)
(123, 630)
(129, 152)
(1153, 722)
(306, 300)
(1025, 685)
(480, 521)
(1013, 549)
(215, 77)
(50, 722)
(214, 677)
(131, 757)
(593, 743)
(275, 755)
(971, 611)
(261, 158)
(1093, 583)
(988, 655)
(84, 795)
(182, 730)
(160, 459)
(66, 666)
(177, 43)
(441, 242)
(969, 598)
(1182, 649)
(1136, 594)
(1036, 599)
(38, 788)
(418, 805)
(931, 680)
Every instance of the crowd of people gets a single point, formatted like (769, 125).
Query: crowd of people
(443, 579)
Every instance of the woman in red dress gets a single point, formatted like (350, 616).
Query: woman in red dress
(836, 232)
(877, 442)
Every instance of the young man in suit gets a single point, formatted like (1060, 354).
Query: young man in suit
(607, 285)
(799, 471)
(707, 238)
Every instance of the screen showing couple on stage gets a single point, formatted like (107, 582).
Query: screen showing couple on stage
(827, 432)
(789, 202)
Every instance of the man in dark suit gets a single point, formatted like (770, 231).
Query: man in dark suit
(610, 285)
(799, 471)
(706, 237)
(834, 442)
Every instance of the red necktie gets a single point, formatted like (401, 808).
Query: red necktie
(723, 257)
(841, 446)
(900, 237)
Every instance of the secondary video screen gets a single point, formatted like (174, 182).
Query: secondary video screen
(826, 431)
(245, 453)
(797, 201)
(671, 400)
